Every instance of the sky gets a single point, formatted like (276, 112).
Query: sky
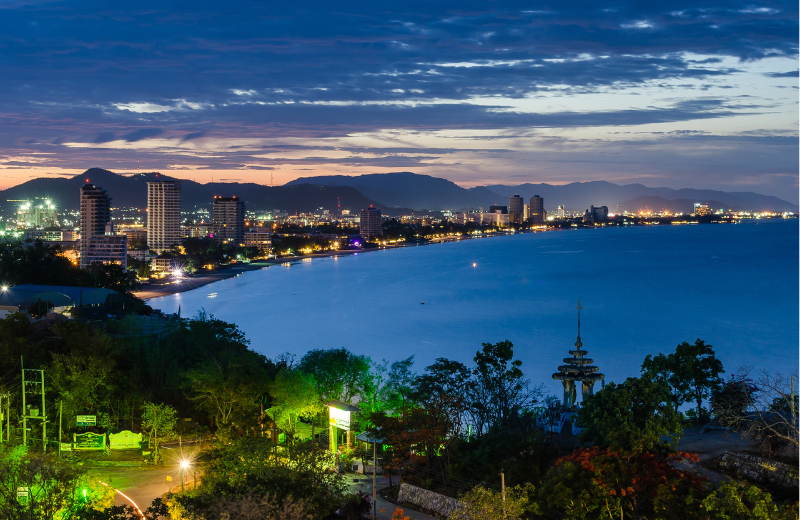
(699, 93)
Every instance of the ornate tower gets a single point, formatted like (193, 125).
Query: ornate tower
(578, 369)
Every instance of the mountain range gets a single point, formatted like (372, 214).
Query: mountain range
(423, 191)
(393, 193)
(131, 191)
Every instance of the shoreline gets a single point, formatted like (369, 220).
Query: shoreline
(189, 284)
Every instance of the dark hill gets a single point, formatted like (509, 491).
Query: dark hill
(131, 191)
(404, 189)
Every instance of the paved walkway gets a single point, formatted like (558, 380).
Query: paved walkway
(363, 483)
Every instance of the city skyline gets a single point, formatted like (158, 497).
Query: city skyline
(668, 94)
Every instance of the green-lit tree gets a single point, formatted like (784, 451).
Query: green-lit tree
(481, 503)
(39, 486)
(251, 467)
(294, 397)
(158, 420)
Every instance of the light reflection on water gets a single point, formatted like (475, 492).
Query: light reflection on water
(643, 290)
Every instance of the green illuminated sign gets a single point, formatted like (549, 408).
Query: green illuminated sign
(89, 441)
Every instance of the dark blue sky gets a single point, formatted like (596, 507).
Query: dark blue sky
(678, 93)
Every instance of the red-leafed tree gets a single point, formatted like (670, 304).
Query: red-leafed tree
(601, 483)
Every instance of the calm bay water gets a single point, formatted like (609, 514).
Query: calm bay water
(643, 291)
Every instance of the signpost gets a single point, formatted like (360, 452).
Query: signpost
(89, 441)
(22, 495)
(87, 420)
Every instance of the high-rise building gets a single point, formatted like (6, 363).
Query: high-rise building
(98, 243)
(163, 215)
(537, 210)
(498, 209)
(516, 207)
(562, 213)
(369, 225)
(227, 216)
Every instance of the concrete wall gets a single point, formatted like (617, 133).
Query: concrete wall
(441, 504)
(760, 470)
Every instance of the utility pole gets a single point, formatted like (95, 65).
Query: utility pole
(1, 417)
(60, 410)
(503, 489)
(375, 478)
(32, 385)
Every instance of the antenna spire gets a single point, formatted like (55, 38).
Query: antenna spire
(579, 320)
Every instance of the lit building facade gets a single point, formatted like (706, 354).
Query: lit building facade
(163, 215)
(38, 214)
(537, 210)
(97, 240)
(370, 223)
(260, 239)
(516, 208)
(227, 218)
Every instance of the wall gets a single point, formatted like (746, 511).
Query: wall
(760, 470)
(441, 504)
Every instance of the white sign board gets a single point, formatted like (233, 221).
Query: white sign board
(339, 418)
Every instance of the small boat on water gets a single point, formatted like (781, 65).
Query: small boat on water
(212, 295)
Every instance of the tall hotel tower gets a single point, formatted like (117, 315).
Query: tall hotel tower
(227, 215)
(163, 215)
(98, 243)
(538, 214)
(370, 222)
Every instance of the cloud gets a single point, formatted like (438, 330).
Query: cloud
(143, 133)
(193, 135)
(352, 85)
(789, 74)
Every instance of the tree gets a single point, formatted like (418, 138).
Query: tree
(486, 504)
(691, 372)
(498, 390)
(444, 376)
(84, 383)
(400, 383)
(295, 397)
(53, 487)
(337, 372)
(635, 415)
(158, 419)
(734, 501)
(765, 409)
(222, 390)
(595, 483)
(300, 470)
(110, 276)
(250, 505)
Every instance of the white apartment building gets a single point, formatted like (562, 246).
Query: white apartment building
(163, 215)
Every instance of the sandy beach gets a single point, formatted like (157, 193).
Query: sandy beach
(188, 283)
(193, 282)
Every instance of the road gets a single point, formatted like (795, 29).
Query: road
(143, 485)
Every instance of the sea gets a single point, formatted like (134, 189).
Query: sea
(642, 289)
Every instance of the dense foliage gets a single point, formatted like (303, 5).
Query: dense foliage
(454, 427)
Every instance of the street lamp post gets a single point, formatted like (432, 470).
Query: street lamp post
(184, 467)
